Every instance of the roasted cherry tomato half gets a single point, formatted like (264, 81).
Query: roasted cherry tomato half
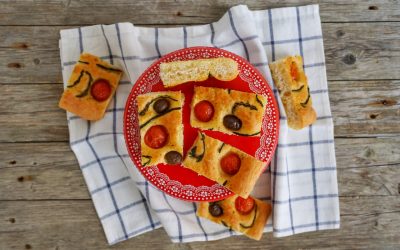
(156, 137)
(204, 111)
(244, 206)
(294, 71)
(230, 163)
(100, 90)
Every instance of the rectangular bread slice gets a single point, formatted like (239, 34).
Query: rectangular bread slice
(170, 119)
(250, 224)
(77, 97)
(178, 72)
(205, 155)
(248, 107)
(291, 82)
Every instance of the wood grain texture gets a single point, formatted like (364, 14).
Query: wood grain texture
(41, 171)
(72, 224)
(67, 12)
(357, 51)
(365, 108)
(36, 116)
(367, 152)
(366, 53)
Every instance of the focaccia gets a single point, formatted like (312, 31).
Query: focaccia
(90, 88)
(245, 216)
(161, 132)
(178, 72)
(225, 164)
(234, 112)
(291, 81)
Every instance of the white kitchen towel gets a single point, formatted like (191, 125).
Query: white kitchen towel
(301, 183)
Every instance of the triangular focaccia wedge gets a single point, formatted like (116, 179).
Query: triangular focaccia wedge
(247, 216)
(161, 132)
(227, 165)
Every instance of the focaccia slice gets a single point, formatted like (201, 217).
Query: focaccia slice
(178, 72)
(225, 164)
(233, 112)
(90, 88)
(291, 81)
(247, 216)
(161, 132)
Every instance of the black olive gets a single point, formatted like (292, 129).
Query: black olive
(215, 209)
(173, 157)
(232, 122)
(161, 105)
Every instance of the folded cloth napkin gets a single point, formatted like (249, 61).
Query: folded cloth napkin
(301, 182)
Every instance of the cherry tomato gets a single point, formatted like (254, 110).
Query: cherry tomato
(244, 206)
(156, 136)
(204, 111)
(230, 163)
(101, 90)
(294, 72)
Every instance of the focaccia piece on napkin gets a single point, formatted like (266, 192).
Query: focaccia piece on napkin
(225, 164)
(90, 88)
(291, 81)
(161, 132)
(245, 216)
(178, 72)
(241, 107)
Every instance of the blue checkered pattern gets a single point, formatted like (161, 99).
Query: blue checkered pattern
(301, 183)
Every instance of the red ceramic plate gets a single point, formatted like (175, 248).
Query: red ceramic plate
(181, 182)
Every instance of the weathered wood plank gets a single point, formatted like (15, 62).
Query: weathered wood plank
(361, 54)
(370, 181)
(47, 154)
(365, 108)
(367, 152)
(30, 66)
(32, 171)
(73, 224)
(34, 126)
(34, 116)
(41, 182)
(353, 51)
(182, 12)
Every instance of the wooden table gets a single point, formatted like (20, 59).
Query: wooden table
(44, 202)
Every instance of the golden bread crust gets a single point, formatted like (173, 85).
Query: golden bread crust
(172, 121)
(232, 218)
(241, 183)
(178, 72)
(294, 91)
(87, 71)
(249, 108)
